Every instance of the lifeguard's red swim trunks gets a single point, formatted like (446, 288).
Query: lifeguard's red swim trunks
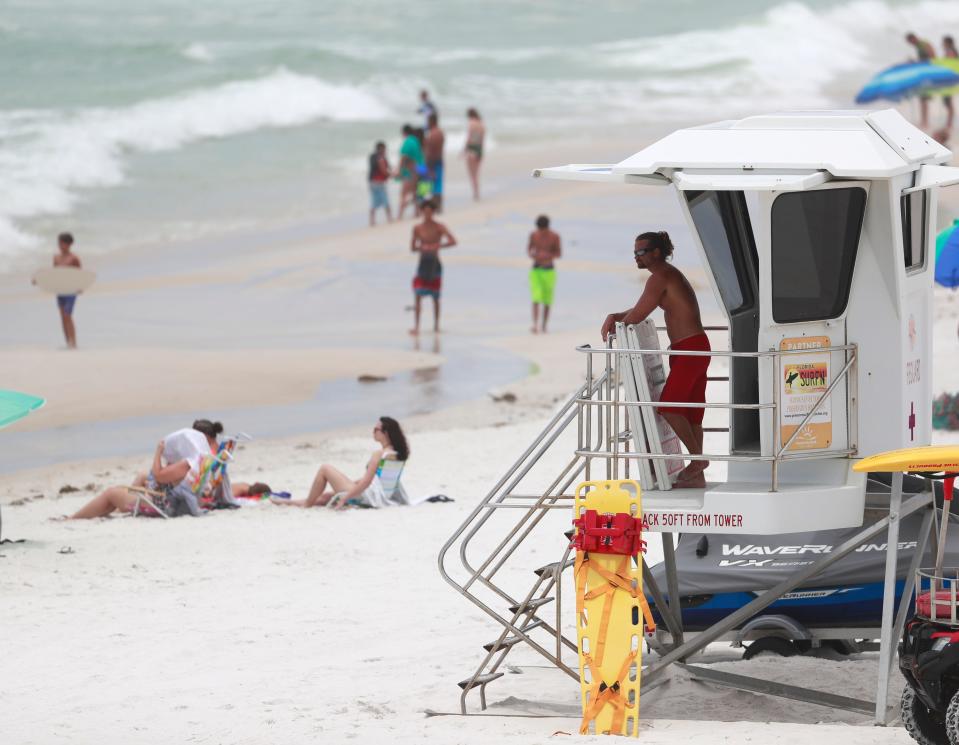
(687, 378)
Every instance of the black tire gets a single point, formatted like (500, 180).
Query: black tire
(775, 644)
(952, 720)
(920, 723)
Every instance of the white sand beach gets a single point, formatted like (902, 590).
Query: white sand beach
(274, 625)
(271, 624)
(268, 624)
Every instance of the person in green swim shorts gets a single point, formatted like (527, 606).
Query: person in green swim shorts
(544, 249)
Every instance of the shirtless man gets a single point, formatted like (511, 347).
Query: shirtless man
(543, 249)
(427, 240)
(65, 302)
(668, 289)
(433, 144)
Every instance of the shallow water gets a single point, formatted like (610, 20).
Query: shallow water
(468, 373)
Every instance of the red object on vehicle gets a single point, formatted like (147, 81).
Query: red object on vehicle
(620, 534)
(943, 606)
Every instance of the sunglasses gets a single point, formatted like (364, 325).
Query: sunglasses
(642, 251)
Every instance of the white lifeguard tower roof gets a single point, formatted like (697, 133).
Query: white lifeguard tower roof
(798, 149)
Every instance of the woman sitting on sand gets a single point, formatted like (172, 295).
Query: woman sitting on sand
(174, 489)
(374, 488)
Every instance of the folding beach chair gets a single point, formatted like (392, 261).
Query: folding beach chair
(218, 478)
(390, 480)
(147, 496)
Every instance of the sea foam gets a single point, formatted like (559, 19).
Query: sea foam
(791, 55)
(47, 156)
(198, 52)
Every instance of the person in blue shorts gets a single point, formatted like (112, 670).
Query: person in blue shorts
(65, 303)
(378, 175)
(433, 144)
(411, 158)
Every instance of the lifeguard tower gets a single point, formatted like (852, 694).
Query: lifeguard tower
(816, 232)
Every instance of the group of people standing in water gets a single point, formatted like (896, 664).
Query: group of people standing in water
(421, 167)
(188, 477)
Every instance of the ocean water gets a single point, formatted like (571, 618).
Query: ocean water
(167, 120)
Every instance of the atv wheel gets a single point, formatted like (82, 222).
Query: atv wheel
(952, 720)
(774, 644)
(921, 723)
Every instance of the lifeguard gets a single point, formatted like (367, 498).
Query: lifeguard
(668, 288)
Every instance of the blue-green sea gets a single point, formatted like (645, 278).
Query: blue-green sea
(168, 120)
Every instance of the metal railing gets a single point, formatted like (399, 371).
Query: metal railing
(469, 579)
(614, 405)
(597, 444)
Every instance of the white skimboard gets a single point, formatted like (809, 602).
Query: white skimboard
(63, 280)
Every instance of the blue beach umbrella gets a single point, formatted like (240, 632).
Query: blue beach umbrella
(947, 256)
(909, 79)
(15, 405)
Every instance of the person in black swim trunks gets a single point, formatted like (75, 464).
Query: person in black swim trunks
(429, 237)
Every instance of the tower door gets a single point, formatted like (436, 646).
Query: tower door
(808, 242)
(721, 222)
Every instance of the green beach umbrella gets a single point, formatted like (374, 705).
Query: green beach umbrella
(15, 405)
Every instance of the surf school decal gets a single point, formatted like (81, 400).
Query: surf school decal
(805, 379)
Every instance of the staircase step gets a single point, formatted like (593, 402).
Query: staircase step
(530, 605)
(509, 641)
(550, 568)
(480, 680)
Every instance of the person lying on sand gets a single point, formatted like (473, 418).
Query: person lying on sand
(377, 484)
(174, 489)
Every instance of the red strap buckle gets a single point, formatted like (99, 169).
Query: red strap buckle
(608, 534)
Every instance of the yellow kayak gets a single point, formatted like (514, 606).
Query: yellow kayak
(932, 459)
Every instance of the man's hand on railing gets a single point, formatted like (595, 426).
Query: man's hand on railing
(610, 323)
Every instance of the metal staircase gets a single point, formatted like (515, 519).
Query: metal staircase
(488, 557)
(529, 612)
